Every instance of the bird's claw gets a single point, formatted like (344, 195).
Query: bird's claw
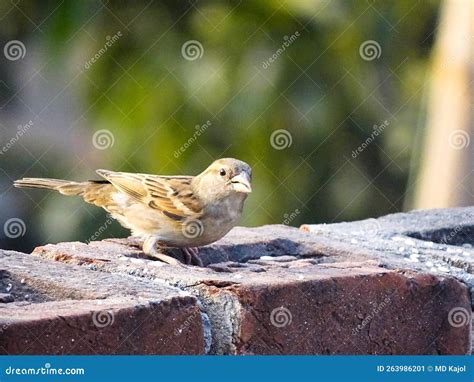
(152, 248)
(191, 256)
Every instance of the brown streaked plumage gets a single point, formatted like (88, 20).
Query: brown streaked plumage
(174, 211)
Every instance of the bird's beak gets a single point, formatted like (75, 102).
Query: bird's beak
(241, 183)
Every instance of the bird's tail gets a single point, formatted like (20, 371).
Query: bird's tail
(98, 192)
(65, 187)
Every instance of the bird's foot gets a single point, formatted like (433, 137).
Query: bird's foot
(157, 250)
(191, 256)
(151, 249)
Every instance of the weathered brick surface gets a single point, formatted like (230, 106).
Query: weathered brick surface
(371, 287)
(285, 305)
(64, 309)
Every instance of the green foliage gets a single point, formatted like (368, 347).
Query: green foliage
(319, 89)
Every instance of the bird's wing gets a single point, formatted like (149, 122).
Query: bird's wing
(172, 195)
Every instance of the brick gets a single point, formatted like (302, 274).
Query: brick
(66, 309)
(302, 305)
(400, 284)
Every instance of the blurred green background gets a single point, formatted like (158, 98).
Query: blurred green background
(150, 95)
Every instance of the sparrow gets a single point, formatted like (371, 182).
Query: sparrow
(166, 211)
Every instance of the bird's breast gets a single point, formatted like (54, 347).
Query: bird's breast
(220, 218)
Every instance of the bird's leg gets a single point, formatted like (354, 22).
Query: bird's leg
(187, 257)
(150, 248)
(192, 256)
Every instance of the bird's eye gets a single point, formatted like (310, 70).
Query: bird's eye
(222, 172)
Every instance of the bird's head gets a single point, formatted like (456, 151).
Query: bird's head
(225, 177)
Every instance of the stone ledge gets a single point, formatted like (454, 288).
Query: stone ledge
(345, 288)
(64, 309)
(438, 242)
